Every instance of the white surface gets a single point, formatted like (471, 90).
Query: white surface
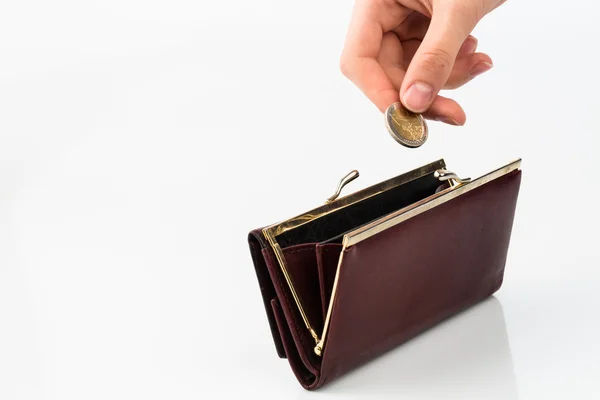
(141, 140)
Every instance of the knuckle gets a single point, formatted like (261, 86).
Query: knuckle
(435, 60)
(346, 66)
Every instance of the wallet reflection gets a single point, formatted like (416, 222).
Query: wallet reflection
(466, 357)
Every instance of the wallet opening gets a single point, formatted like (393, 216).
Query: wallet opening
(331, 228)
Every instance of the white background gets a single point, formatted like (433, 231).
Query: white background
(140, 141)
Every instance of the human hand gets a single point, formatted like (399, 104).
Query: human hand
(408, 50)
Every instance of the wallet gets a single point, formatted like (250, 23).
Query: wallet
(362, 274)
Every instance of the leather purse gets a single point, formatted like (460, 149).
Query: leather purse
(360, 275)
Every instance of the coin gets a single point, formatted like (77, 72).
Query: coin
(407, 128)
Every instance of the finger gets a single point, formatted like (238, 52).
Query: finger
(415, 27)
(392, 50)
(447, 111)
(359, 57)
(391, 59)
(451, 24)
(465, 69)
(411, 46)
(468, 47)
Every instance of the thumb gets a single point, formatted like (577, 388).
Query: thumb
(451, 24)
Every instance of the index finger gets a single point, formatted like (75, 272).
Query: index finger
(359, 57)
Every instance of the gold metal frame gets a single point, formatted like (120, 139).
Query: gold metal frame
(333, 204)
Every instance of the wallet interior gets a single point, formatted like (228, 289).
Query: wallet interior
(332, 227)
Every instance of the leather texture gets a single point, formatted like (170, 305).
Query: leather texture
(392, 286)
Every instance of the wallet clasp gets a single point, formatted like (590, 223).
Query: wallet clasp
(352, 175)
(445, 175)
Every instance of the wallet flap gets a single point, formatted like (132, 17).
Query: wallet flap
(411, 276)
(292, 340)
(267, 291)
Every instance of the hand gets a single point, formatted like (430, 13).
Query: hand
(408, 50)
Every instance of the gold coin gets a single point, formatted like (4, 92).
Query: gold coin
(407, 128)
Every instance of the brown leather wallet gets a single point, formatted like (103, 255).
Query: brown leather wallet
(362, 274)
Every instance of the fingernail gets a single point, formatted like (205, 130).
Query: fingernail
(469, 46)
(480, 68)
(418, 97)
(448, 120)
